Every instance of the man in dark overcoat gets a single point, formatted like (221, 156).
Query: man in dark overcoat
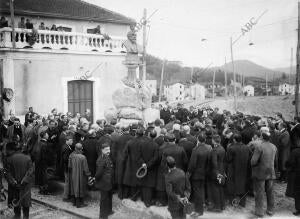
(284, 148)
(248, 132)
(149, 153)
(178, 189)
(295, 133)
(186, 144)
(238, 160)
(90, 150)
(104, 180)
(19, 176)
(197, 170)
(170, 148)
(117, 155)
(133, 161)
(218, 172)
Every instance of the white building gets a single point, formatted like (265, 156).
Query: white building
(174, 92)
(70, 69)
(286, 88)
(248, 90)
(152, 85)
(197, 92)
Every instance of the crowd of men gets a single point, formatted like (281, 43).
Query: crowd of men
(200, 156)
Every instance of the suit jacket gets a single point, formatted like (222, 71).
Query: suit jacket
(217, 161)
(199, 162)
(177, 185)
(104, 173)
(284, 148)
(90, 152)
(263, 160)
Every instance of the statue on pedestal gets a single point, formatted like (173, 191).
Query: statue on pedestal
(134, 98)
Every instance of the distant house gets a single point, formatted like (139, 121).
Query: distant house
(152, 85)
(286, 88)
(248, 90)
(174, 92)
(197, 92)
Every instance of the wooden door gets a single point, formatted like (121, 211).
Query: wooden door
(80, 97)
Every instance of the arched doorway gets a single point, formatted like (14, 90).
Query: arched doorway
(80, 96)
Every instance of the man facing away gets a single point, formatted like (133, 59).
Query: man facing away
(263, 173)
(178, 189)
(78, 173)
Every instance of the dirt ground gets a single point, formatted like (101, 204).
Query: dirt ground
(260, 105)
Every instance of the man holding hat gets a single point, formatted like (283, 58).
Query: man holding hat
(263, 172)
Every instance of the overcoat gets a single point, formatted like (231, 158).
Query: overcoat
(295, 135)
(20, 169)
(199, 162)
(149, 152)
(117, 154)
(284, 148)
(173, 150)
(238, 160)
(293, 177)
(90, 152)
(133, 160)
(78, 173)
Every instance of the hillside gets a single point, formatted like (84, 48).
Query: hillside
(286, 70)
(251, 69)
(176, 73)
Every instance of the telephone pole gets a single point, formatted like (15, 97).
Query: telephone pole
(161, 80)
(298, 68)
(225, 82)
(266, 84)
(12, 17)
(144, 43)
(234, 76)
(213, 85)
(291, 67)
(192, 72)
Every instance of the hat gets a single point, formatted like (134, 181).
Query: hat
(170, 161)
(265, 130)
(141, 172)
(176, 127)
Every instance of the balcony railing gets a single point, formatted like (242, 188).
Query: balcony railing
(56, 40)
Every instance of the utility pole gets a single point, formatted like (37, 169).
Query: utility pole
(213, 84)
(234, 76)
(266, 84)
(144, 43)
(161, 80)
(225, 82)
(291, 67)
(298, 68)
(12, 17)
(192, 72)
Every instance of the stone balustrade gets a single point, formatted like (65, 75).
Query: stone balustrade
(57, 40)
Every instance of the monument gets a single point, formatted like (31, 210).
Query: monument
(132, 102)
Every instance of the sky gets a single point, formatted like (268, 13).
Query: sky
(176, 30)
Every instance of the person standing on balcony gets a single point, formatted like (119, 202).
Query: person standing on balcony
(42, 26)
(21, 24)
(3, 22)
(28, 24)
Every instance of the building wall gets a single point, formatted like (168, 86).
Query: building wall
(174, 92)
(40, 78)
(76, 25)
(197, 92)
(249, 90)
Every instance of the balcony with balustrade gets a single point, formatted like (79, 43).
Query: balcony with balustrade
(48, 40)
